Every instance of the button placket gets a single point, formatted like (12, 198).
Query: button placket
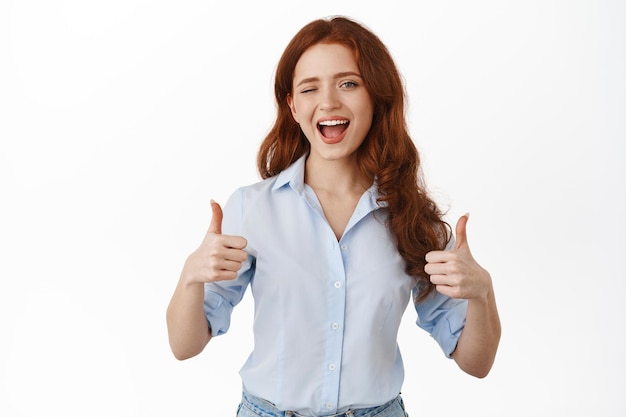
(336, 299)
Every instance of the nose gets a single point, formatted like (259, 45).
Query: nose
(329, 100)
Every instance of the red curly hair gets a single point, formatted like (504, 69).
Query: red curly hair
(387, 155)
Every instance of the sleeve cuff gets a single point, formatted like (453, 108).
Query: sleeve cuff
(218, 312)
(449, 328)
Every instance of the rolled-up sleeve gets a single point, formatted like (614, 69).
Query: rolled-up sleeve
(221, 297)
(443, 318)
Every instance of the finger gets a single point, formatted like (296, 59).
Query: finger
(438, 256)
(443, 284)
(232, 242)
(461, 234)
(449, 291)
(441, 268)
(235, 255)
(227, 265)
(439, 279)
(216, 219)
(224, 275)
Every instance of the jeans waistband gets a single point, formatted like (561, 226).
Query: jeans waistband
(268, 409)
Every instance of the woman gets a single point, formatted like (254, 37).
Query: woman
(334, 242)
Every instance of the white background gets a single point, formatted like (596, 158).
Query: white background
(120, 120)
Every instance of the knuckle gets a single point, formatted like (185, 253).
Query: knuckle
(230, 275)
(215, 252)
(455, 266)
(213, 270)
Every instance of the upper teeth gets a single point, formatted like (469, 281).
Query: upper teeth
(333, 122)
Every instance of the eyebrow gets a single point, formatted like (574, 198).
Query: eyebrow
(338, 75)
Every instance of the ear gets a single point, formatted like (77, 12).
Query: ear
(292, 107)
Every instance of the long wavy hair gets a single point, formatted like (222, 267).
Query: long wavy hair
(387, 155)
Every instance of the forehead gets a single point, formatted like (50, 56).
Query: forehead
(325, 59)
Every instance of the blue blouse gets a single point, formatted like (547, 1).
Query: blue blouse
(327, 312)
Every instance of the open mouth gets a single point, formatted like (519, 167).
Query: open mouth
(332, 129)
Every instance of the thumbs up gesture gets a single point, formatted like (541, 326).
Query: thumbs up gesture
(218, 257)
(455, 273)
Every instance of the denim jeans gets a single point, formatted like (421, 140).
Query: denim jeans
(252, 406)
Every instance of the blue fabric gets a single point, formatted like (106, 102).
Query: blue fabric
(327, 313)
(252, 406)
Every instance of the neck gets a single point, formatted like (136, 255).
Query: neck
(341, 176)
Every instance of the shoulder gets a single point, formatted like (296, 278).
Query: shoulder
(256, 189)
(292, 176)
(247, 197)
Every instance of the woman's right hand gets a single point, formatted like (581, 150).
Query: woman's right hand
(218, 257)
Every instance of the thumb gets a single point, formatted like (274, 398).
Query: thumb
(461, 234)
(216, 220)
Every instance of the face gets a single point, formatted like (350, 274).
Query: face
(330, 102)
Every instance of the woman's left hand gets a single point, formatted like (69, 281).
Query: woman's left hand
(456, 273)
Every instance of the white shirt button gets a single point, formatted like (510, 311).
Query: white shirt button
(328, 406)
(334, 326)
(344, 247)
(332, 367)
(337, 284)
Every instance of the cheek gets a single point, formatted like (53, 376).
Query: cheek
(368, 112)
(364, 107)
(367, 115)
(302, 111)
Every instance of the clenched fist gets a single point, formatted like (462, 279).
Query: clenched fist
(218, 257)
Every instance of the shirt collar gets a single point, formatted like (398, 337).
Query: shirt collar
(294, 176)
